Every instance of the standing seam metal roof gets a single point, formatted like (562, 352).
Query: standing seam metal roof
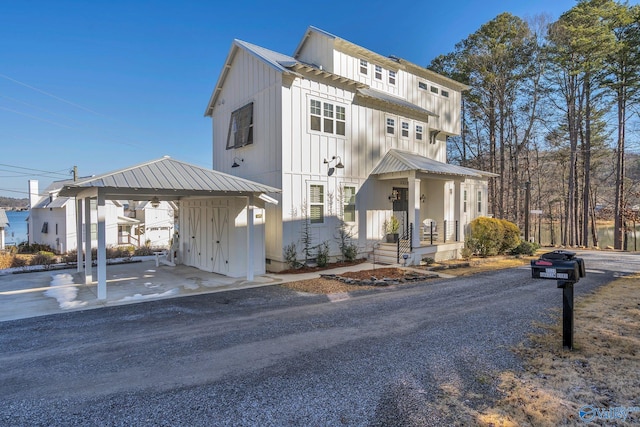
(400, 161)
(4, 221)
(168, 174)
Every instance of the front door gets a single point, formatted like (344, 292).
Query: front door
(401, 208)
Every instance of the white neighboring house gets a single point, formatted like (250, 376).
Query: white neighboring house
(348, 134)
(153, 226)
(52, 221)
(4, 223)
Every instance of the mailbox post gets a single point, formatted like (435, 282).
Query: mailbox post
(566, 269)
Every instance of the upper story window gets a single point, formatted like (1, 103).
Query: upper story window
(464, 201)
(392, 77)
(316, 203)
(419, 132)
(241, 127)
(349, 204)
(422, 85)
(434, 89)
(405, 129)
(378, 73)
(444, 93)
(391, 126)
(326, 117)
(364, 67)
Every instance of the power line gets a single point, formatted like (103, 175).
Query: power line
(35, 170)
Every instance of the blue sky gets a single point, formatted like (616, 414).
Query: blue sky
(108, 84)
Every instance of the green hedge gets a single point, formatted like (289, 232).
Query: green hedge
(492, 236)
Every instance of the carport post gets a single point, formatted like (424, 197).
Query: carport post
(250, 237)
(102, 249)
(87, 241)
(79, 256)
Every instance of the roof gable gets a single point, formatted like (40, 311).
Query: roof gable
(278, 61)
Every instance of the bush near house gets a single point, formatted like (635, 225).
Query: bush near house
(492, 236)
(45, 258)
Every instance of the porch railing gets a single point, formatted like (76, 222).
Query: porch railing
(405, 242)
(445, 231)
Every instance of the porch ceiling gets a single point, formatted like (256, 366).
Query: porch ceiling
(398, 161)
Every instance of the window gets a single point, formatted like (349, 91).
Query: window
(419, 132)
(392, 77)
(444, 93)
(364, 67)
(391, 126)
(434, 89)
(422, 85)
(349, 204)
(316, 203)
(405, 129)
(340, 120)
(327, 117)
(241, 127)
(45, 227)
(56, 228)
(315, 113)
(464, 202)
(378, 73)
(479, 201)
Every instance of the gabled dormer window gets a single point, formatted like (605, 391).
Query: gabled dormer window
(241, 127)
(378, 73)
(364, 67)
(392, 77)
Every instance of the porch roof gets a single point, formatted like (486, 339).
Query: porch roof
(403, 161)
(167, 179)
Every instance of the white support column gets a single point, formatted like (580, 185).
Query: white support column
(87, 241)
(250, 237)
(414, 206)
(79, 257)
(102, 249)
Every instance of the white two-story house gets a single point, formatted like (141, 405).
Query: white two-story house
(348, 135)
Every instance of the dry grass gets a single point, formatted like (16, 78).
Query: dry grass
(602, 370)
(479, 265)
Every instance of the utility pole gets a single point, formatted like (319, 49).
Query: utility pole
(75, 173)
(527, 200)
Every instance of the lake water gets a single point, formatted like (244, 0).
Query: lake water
(16, 233)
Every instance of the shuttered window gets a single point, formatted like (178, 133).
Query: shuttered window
(316, 203)
(241, 127)
(349, 204)
(45, 227)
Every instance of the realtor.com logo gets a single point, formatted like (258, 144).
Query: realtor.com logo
(589, 413)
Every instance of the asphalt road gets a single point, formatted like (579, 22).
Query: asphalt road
(271, 356)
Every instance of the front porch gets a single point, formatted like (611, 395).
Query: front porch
(437, 245)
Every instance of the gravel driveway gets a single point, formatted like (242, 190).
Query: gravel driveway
(271, 356)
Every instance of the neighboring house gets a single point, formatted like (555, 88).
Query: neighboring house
(148, 223)
(4, 223)
(348, 134)
(52, 221)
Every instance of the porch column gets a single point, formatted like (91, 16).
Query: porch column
(250, 237)
(79, 256)
(87, 241)
(102, 249)
(414, 206)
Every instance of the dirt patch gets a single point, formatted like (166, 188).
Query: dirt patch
(480, 265)
(315, 268)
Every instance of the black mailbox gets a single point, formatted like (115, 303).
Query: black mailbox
(558, 265)
(564, 267)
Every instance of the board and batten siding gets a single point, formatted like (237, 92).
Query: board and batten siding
(317, 49)
(250, 80)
